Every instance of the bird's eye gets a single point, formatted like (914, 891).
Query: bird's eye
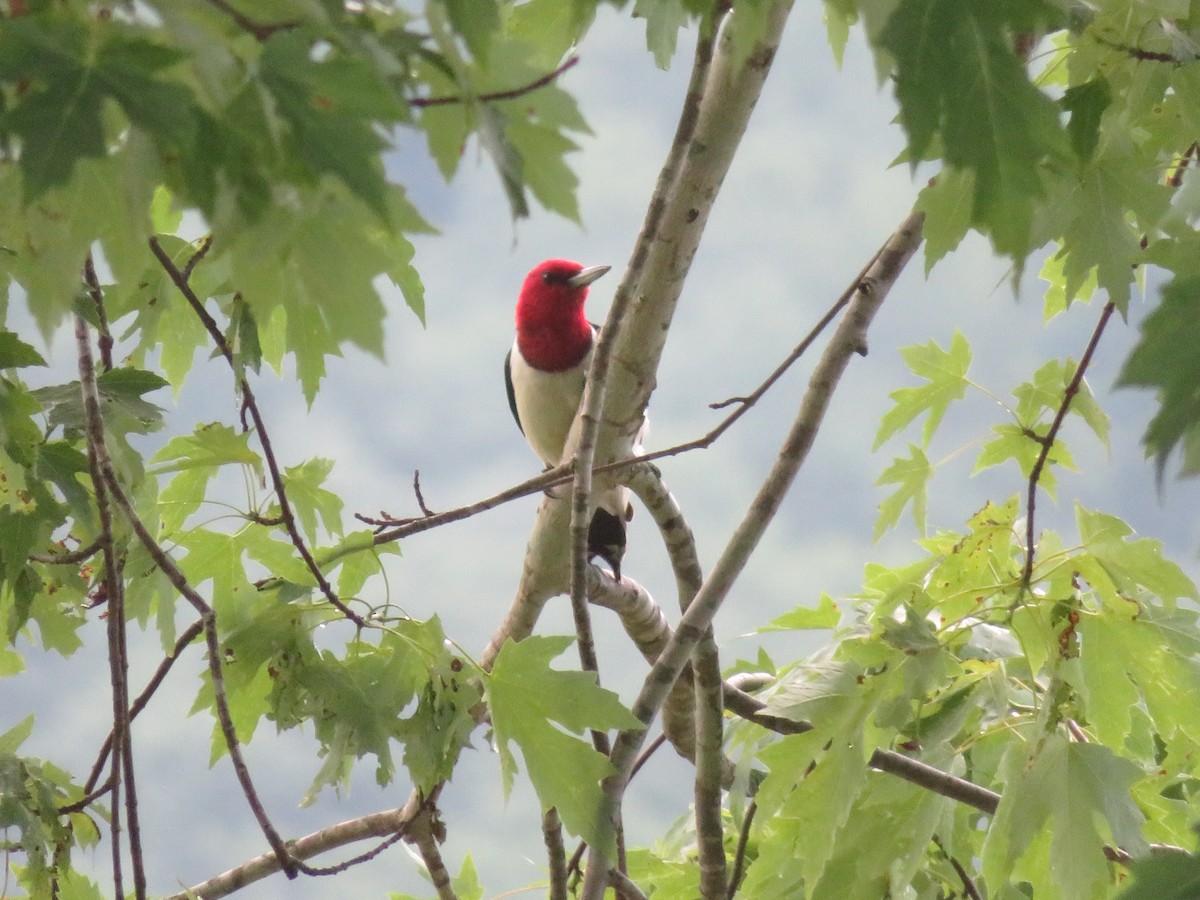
(547, 277)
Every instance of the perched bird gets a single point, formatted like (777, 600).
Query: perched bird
(544, 373)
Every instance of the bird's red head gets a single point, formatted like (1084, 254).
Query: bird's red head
(553, 333)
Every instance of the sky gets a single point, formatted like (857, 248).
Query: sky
(810, 197)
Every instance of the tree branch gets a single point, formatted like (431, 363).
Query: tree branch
(391, 824)
(848, 339)
(511, 94)
(207, 617)
(118, 663)
(1047, 442)
(190, 634)
(180, 280)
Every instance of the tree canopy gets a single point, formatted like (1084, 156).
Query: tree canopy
(190, 188)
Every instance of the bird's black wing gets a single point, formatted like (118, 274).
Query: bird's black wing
(508, 386)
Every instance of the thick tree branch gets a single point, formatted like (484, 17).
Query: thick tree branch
(389, 824)
(848, 339)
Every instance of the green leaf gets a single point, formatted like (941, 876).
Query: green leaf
(1044, 393)
(946, 372)
(310, 501)
(663, 18)
(1058, 298)
(1167, 876)
(12, 739)
(912, 477)
(958, 78)
(1086, 103)
(531, 705)
(15, 353)
(946, 202)
(197, 458)
(1167, 359)
(1131, 564)
(1098, 232)
(331, 105)
(476, 21)
(1015, 443)
(804, 618)
(1080, 793)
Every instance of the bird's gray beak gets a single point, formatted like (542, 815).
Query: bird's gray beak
(587, 276)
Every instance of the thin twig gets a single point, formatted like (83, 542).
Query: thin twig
(208, 618)
(969, 890)
(104, 339)
(118, 664)
(556, 855)
(189, 634)
(257, 30)
(68, 557)
(511, 94)
(1047, 443)
(251, 405)
(425, 510)
(739, 855)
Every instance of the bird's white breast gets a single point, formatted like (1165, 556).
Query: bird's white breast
(547, 403)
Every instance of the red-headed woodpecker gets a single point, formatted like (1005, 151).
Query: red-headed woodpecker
(544, 374)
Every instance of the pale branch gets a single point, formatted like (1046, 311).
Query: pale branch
(849, 339)
(542, 575)
(556, 855)
(118, 659)
(680, 712)
(510, 94)
(710, 768)
(640, 616)
(423, 832)
(701, 685)
(250, 404)
(1047, 442)
(389, 824)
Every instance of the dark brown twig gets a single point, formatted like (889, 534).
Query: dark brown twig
(1047, 443)
(739, 856)
(511, 94)
(104, 340)
(118, 661)
(189, 634)
(208, 620)
(257, 30)
(425, 510)
(250, 404)
(68, 557)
